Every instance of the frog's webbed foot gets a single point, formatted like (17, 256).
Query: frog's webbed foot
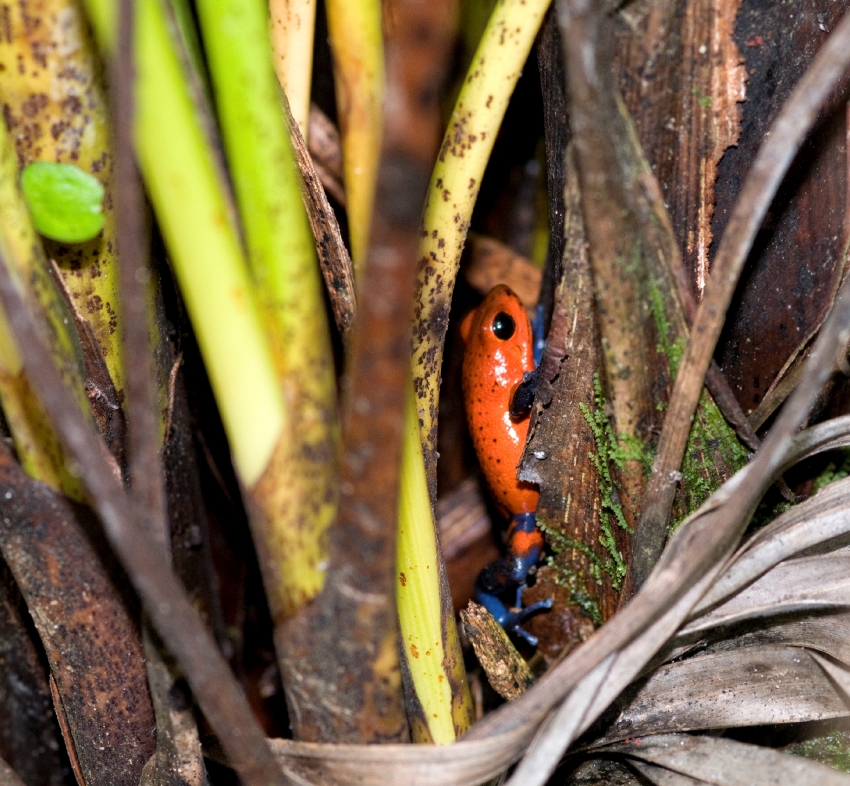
(511, 618)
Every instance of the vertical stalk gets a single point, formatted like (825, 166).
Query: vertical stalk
(296, 501)
(433, 660)
(292, 25)
(466, 148)
(357, 45)
(183, 183)
(35, 439)
(55, 106)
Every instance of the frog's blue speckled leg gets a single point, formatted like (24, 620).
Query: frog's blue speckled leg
(501, 576)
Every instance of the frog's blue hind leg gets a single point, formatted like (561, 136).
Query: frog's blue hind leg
(510, 572)
(510, 619)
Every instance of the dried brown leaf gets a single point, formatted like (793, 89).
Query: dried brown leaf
(461, 764)
(31, 744)
(506, 670)
(839, 674)
(558, 732)
(664, 777)
(748, 686)
(88, 632)
(816, 520)
(722, 762)
(798, 585)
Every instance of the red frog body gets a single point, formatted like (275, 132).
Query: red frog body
(498, 359)
(498, 354)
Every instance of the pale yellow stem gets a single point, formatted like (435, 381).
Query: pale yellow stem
(292, 24)
(357, 44)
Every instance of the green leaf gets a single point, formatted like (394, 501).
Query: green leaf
(66, 203)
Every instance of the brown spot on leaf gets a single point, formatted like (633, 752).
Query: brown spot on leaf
(34, 104)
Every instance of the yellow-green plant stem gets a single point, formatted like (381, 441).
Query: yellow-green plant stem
(187, 195)
(418, 597)
(455, 182)
(50, 79)
(466, 148)
(36, 442)
(282, 257)
(293, 24)
(357, 44)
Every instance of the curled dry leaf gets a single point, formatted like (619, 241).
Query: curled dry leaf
(826, 632)
(817, 520)
(460, 764)
(334, 260)
(840, 675)
(558, 732)
(750, 686)
(721, 762)
(795, 586)
(326, 153)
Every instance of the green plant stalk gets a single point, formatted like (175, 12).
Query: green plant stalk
(357, 44)
(292, 25)
(187, 195)
(445, 711)
(50, 78)
(455, 182)
(36, 442)
(282, 258)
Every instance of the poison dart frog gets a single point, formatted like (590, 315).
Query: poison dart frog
(498, 380)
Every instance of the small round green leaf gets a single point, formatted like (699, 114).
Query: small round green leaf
(66, 203)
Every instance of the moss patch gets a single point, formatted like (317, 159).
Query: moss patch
(833, 750)
(611, 452)
(835, 470)
(712, 443)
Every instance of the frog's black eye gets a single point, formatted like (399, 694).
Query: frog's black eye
(503, 326)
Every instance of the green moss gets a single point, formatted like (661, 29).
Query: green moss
(833, 750)
(835, 470)
(672, 350)
(703, 101)
(610, 452)
(569, 579)
(712, 441)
